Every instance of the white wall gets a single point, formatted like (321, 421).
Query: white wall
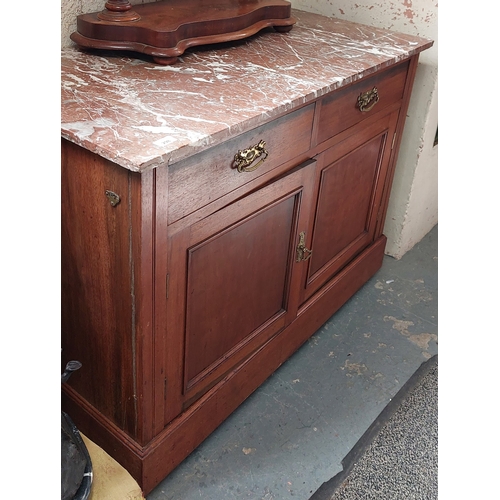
(413, 206)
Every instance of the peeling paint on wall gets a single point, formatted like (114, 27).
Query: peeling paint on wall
(408, 16)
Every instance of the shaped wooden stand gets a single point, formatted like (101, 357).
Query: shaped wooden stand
(165, 29)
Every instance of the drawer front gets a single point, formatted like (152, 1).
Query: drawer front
(341, 109)
(205, 177)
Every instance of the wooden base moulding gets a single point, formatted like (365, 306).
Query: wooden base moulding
(165, 29)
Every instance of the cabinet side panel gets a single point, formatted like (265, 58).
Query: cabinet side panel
(142, 212)
(96, 303)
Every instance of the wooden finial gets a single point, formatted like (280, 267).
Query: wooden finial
(118, 10)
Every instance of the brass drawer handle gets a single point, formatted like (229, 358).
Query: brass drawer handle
(303, 253)
(245, 158)
(368, 99)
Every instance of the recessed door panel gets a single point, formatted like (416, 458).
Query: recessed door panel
(344, 201)
(349, 191)
(237, 284)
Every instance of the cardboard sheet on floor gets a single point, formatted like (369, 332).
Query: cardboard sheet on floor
(111, 481)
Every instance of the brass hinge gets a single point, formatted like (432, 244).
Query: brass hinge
(167, 283)
(113, 198)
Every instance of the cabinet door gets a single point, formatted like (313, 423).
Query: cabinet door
(233, 284)
(349, 190)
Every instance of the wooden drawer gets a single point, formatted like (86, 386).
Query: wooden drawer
(205, 177)
(340, 110)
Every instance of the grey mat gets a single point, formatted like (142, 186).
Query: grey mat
(397, 457)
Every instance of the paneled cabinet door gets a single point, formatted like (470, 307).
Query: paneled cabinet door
(349, 191)
(234, 283)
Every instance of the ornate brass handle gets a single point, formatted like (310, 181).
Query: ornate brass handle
(368, 99)
(303, 253)
(245, 158)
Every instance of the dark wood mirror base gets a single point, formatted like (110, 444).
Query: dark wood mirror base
(165, 29)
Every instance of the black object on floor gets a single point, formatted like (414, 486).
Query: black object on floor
(76, 466)
(397, 457)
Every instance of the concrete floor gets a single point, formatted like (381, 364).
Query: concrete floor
(291, 435)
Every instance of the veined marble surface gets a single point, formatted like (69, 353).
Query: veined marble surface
(141, 115)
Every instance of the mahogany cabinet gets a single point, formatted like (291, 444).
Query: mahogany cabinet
(187, 285)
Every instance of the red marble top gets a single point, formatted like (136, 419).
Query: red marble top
(142, 115)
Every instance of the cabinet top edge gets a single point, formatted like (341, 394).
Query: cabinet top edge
(141, 115)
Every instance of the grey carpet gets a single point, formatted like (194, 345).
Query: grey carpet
(397, 457)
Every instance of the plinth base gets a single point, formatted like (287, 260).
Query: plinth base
(165, 29)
